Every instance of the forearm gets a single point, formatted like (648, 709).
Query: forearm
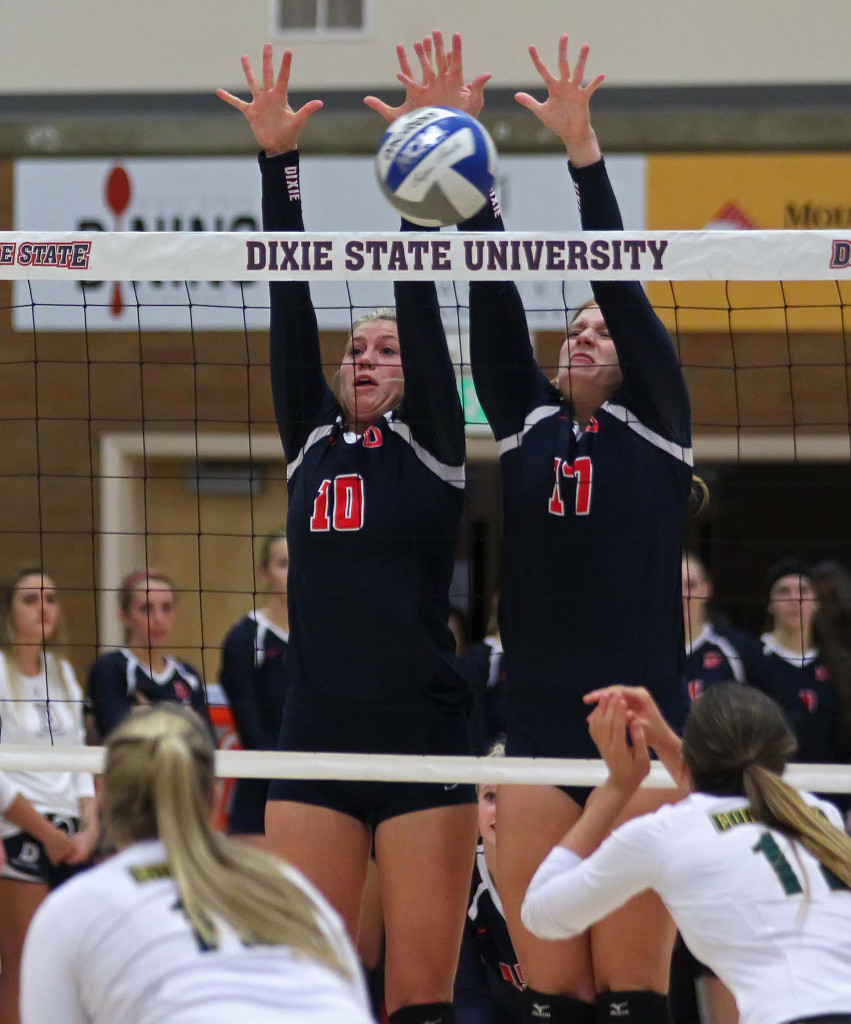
(604, 807)
(22, 813)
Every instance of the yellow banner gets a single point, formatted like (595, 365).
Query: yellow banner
(741, 192)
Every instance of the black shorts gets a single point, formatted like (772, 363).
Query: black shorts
(427, 728)
(520, 743)
(248, 807)
(27, 860)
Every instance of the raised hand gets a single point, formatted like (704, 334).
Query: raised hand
(609, 725)
(565, 110)
(443, 83)
(275, 124)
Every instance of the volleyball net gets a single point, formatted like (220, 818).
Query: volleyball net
(137, 429)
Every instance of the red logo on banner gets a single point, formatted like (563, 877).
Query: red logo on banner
(731, 218)
(117, 193)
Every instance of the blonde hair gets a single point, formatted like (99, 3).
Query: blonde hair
(736, 741)
(54, 676)
(381, 313)
(158, 783)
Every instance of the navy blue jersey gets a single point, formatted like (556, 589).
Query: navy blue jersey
(254, 676)
(373, 519)
(715, 656)
(118, 682)
(593, 519)
(801, 685)
(483, 665)
(489, 982)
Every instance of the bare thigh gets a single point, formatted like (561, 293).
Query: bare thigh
(631, 948)
(18, 902)
(425, 863)
(330, 848)
(530, 821)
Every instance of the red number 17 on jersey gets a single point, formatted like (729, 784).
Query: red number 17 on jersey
(339, 504)
(581, 471)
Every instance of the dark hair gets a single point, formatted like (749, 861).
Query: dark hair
(730, 727)
(737, 742)
(786, 567)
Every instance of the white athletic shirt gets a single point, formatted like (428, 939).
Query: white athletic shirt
(111, 946)
(51, 713)
(750, 904)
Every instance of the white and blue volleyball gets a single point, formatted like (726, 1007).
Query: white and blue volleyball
(436, 166)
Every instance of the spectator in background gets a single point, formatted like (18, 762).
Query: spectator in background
(483, 665)
(253, 674)
(713, 652)
(802, 669)
(489, 982)
(142, 671)
(833, 590)
(49, 820)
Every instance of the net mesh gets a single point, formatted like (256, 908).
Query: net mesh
(137, 426)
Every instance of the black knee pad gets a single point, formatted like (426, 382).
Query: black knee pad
(544, 1008)
(424, 1013)
(642, 1007)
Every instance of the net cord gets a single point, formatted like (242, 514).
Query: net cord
(263, 764)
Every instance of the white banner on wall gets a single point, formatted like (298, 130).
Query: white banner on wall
(223, 194)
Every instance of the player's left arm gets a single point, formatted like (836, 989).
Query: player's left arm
(431, 406)
(653, 385)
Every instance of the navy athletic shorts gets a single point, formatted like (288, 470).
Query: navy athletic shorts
(27, 860)
(247, 812)
(428, 727)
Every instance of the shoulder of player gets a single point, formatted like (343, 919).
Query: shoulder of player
(616, 414)
(109, 666)
(242, 632)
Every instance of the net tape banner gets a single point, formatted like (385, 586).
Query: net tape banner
(457, 256)
(263, 764)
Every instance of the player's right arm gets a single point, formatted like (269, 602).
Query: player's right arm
(298, 384)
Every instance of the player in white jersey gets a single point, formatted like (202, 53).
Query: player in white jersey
(183, 924)
(754, 873)
(49, 821)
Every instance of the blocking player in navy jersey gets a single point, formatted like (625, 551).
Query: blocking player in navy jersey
(714, 653)
(807, 678)
(755, 873)
(489, 981)
(253, 674)
(375, 480)
(142, 671)
(596, 475)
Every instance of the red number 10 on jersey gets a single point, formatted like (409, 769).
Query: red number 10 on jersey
(339, 505)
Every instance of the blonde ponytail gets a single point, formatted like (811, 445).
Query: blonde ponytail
(778, 805)
(158, 783)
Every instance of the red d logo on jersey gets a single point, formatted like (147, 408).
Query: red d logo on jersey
(181, 691)
(712, 659)
(809, 698)
(372, 438)
(822, 675)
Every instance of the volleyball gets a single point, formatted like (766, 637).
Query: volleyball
(436, 166)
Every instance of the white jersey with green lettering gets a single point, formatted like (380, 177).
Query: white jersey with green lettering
(114, 945)
(757, 908)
